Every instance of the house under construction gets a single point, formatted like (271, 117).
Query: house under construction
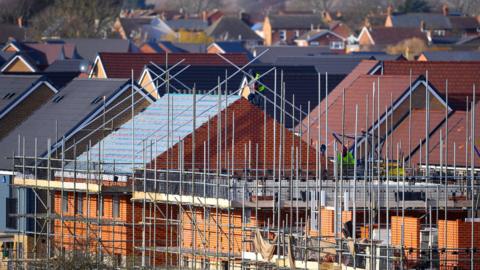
(382, 172)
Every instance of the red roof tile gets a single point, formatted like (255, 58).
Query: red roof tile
(400, 135)
(361, 69)
(457, 126)
(120, 65)
(249, 128)
(391, 87)
(461, 76)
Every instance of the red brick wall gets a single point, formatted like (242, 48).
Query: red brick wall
(116, 235)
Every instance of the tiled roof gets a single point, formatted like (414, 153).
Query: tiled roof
(393, 35)
(391, 88)
(362, 69)
(14, 85)
(120, 65)
(68, 65)
(432, 20)
(460, 75)
(54, 119)
(53, 51)
(400, 135)
(231, 28)
(301, 84)
(251, 127)
(274, 52)
(150, 127)
(202, 77)
(457, 124)
(88, 48)
(464, 23)
(303, 21)
(452, 55)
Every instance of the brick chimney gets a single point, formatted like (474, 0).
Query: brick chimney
(445, 9)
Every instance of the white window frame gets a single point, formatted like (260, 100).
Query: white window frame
(337, 45)
(282, 34)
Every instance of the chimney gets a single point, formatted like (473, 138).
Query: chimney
(445, 9)
(204, 16)
(389, 10)
(20, 21)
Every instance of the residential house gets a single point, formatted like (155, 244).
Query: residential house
(322, 37)
(35, 57)
(114, 207)
(284, 29)
(212, 222)
(233, 29)
(21, 96)
(80, 109)
(438, 26)
(379, 38)
(142, 29)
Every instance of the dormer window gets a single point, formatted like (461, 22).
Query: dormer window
(440, 33)
(337, 45)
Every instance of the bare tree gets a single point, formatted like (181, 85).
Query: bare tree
(191, 6)
(71, 18)
(12, 10)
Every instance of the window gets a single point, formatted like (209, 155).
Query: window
(439, 33)
(79, 204)
(337, 45)
(297, 33)
(65, 202)
(314, 43)
(283, 35)
(100, 206)
(115, 206)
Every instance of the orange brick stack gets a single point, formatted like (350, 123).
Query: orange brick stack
(411, 235)
(457, 243)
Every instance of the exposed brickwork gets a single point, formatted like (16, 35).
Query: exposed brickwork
(411, 235)
(457, 243)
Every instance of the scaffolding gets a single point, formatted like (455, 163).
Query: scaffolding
(299, 208)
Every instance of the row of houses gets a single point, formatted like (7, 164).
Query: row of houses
(263, 160)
